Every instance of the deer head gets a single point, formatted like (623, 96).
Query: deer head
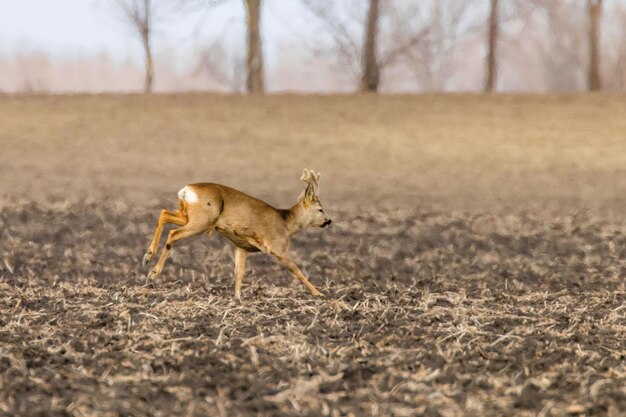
(312, 213)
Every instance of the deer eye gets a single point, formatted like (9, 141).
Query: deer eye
(320, 210)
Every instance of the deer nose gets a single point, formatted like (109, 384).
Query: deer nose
(327, 222)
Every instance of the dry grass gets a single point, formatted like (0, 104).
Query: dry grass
(465, 152)
(512, 305)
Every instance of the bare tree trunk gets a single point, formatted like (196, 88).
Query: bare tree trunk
(595, 9)
(371, 70)
(140, 14)
(492, 42)
(145, 37)
(254, 62)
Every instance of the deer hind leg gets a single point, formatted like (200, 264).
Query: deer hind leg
(286, 261)
(179, 218)
(240, 269)
(188, 230)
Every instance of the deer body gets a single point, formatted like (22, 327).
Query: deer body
(249, 223)
(244, 220)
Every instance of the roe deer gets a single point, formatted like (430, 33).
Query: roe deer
(251, 224)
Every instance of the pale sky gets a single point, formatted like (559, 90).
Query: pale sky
(60, 27)
(70, 27)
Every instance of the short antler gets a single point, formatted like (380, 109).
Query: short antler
(312, 179)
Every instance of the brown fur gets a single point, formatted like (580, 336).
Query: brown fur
(251, 224)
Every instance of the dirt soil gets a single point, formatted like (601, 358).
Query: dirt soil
(476, 264)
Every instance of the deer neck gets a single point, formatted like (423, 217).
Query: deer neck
(294, 218)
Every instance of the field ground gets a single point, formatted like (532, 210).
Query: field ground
(476, 264)
(462, 152)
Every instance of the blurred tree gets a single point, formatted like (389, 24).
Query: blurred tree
(371, 70)
(339, 34)
(224, 65)
(437, 32)
(492, 43)
(389, 35)
(594, 8)
(547, 49)
(140, 15)
(254, 60)
(614, 46)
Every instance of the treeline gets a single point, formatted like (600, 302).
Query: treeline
(411, 25)
(402, 45)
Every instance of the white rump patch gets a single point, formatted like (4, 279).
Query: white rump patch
(181, 193)
(188, 195)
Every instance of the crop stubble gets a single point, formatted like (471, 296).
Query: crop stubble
(489, 294)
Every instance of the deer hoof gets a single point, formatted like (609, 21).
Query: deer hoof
(153, 274)
(146, 258)
(316, 293)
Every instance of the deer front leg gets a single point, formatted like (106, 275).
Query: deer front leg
(286, 261)
(164, 218)
(240, 269)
